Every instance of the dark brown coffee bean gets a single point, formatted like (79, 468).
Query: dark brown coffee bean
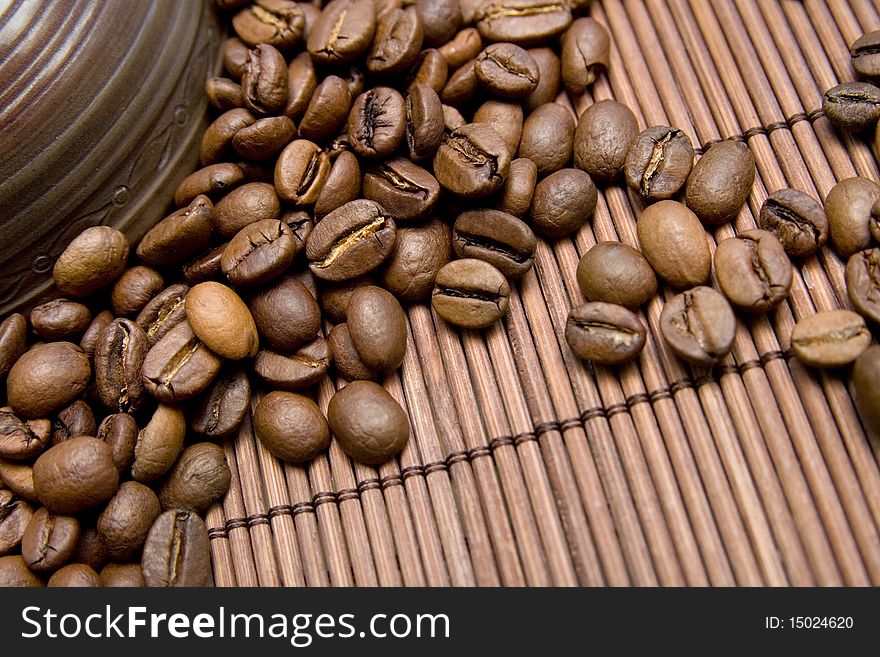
(224, 94)
(419, 253)
(720, 182)
(19, 478)
(122, 575)
(830, 338)
(49, 540)
(753, 270)
(286, 314)
(206, 267)
(259, 252)
(470, 293)
(549, 83)
(158, 444)
(852, 105)
(328, 109)
(15, 514)
(431, 70)
(291, 426)
(235, 54)
(14, 573)
(398, 41)
(343, 185)
(90, 337)
(377, 122)
(301, 225)
(473, 161)
(506, 118)
(276, 22)
(515, 196)
(522, 21)
(496, 237)
(464, 46)
(119, 357)
(563, 202)
(217, 139)
(604, 333)
(797, 220)
(334, 297)
(350, 241)
(848, 209)
(199, 478)
(181, 235)
(22, 440)
(212, 181)
(294, 371)
(699, 325)
(866, 392)
(243, 206)
(47, 378)
(75, 475)
(404, 189)
(222, 321)
(865, 52)
(863, 283)
(874, 221)
(548, 138)
(343, 32)
(441, 19)
(265, 138)
(377, 327)
(602, 139)
(120, 432)
(301, 171)
(301, 82)
(369, 424)
(659, 162)
(13, 341)
(78, 419)
(60, 319)
(94, 259)
(125, 521)
(134, 289)
(506, 70)
(89, 549)
(585, 54)
(224, 405)
(462, 86)
(346, 358)
(424, 122)
(179, 366)
(264, 80)
(176, 552)
(615, 272)
(165, 311)
(674, 242)
(75, 575)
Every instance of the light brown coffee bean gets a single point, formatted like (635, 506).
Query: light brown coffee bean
(15, 573)
(863, 283)
(699, 325)
(674, 242)
(47, 378)
(94, 259)
(585, 54)
(506, 118)
(866, 392)
(13, 341)
(797, 220)
(830, 338)
(212, 181)
(848, 209)
(515, 196)
(276, 22)
(60, 319)
(158, 444)
(548, 138)
(659, 162)
(604, 134)
(222, 321)
(470, 293)
(753, 270)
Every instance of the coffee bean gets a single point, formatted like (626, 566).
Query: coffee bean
(852, 105)
(13, 341)
(122, 575)
(60, 319)
(221, 320)
(377, 327)
(604, 134)
(286, 314)
(302, 82)
(418, 254)
(343, 32)
(343, 185)
(22, 440)
(797, 220)
(119, 357)
(243, 206)
(397, 43)
(496, 237)
(830, 338)
(563, 202)
(549, 83)
(265, 138)
(165, 311)
(404, 189)
(94, 259)
(89, 549)
(720, 182)
(74, 420)
(462, 86)
(506, 70)
(47, 378)
(276, 22)
(753, 270)
(506, 118)
(522, 21)
(158, 444)
(874, 221)
(291, 426)
(452, 120)
(258, 253)
(464, 46)
(616, 273)
(585, 54)
(19, 478)
(699, 325)
(865, 52)
(441, 19)
(424, 122)
(235, 54)
(866, 392)
(327, 110)
(472, 161)
(15, 514)
(179, 366)
(334, 297)
(212, 181)
(470, 293)
(90, 337)
(176, 552)
(604, 333)
(377, 122)
(15, 573)
(125, 521)
(659, 162)
(515, 196)
(346, 358)
(264, 80)
(75, 575)
(674, 242)
(179, 236)
(217, 140)
(430, 70)
(300, 172)
(75, 475)
(134, 290)
(848, 209)
(120, 432)
(49, 540)
(199, 478)
(548, 138)
(224, 406)
(863, 283)
(301, 225)
(369, 424)
(224, 94)
(300, 369)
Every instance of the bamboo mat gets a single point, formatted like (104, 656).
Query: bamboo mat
(528, 467)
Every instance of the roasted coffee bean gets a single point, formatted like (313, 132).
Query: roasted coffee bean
(463, 47)
(125, 521)
(848, 209)
(616, 273)
(89, 549)
(369, 424)
(563, 202)
(158, 444)
(470, 293)
(217, 140)
(334, 297)
(343, 32)
(75, 475)
(398, 41)
(243, 206)
(134, 289)
(797, 220)
(548, 84)
(90, 337)
(265, 138)
(424, 122)
(199, 478)
(291, 426)
(506, 70)
(47, 378)
(516, 195)
(94, 259)
(19, 478)
(75, 575)
(13, 341)
(224, 94)
(506, 118)
(235, 54)
(852, 105)
(830, 338)
(674, 242)
(119, 357)
(863, 283)
(14, 573)
(22, 440)
(346, 358)
(224, 406)
(377, 122)
(78, 419)
(181, 235)
(286, 314)
(431, 70)
(585, 54)
(176, 552)
(212, 181)
(419, 253)
(659, 162)
(264, 80)
(441, 19)
(865, 52)
(301, 171)
(327, 110)
(699, 325)
(301, 225)
(276, 22)
(49, 540)
(720, 182)
(866, 391)
(522, 21)
(179, 366)
(753, 270)
(452, 119)
(472, 161)
(604, 333)
(604, 134)
(873, 222)
(120, 432)
(301, 81)
(496, 237)
(60, 319)
(222, 321)
(258, 253)
(15, 514)
(548, 138)
(294, 371)
(405, 190)
(377, 327)
(343, 185)
(462, 86)
(122, 575)
(165, 311)
(350, 241)
(262, 172)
